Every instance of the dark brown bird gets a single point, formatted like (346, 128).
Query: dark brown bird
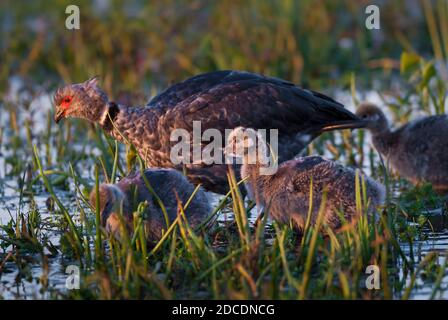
(218, 100)
(418, 150)
(169, 185)
(285, 194)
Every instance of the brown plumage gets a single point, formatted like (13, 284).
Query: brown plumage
(218, 100)
(418, 150)
(169, 185)
(285, 194)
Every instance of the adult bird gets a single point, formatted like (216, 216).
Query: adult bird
(217, 100)
(417, 151)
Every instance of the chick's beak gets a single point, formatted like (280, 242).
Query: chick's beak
(59, 115)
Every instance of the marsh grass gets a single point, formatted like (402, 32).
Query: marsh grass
(253, 263)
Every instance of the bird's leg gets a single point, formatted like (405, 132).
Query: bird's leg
(259, 218)
(250, 205)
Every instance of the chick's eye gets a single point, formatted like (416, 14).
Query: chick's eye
(67, 99)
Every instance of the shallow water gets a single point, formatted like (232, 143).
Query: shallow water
(13, 287)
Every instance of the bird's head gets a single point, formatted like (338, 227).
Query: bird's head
(111, 200)
(246, 143)
(375, 119)
(84, 100)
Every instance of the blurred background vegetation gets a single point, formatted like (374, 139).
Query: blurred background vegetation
(141, 45)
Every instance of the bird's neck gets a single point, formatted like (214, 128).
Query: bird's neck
(110, 114)
(120, 121)
(256, 180)
(384, 141)
(133, 126)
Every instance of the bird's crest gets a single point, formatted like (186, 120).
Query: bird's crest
(91, 82)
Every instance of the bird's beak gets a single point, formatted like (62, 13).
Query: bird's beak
(59, 115)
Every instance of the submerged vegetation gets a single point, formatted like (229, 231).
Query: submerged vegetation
(47, 171)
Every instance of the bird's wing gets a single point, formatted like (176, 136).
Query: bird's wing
(197, 84)
(315, 169)
(204, 82)
(254, 101)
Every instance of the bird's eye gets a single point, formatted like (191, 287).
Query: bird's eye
(67, 99)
